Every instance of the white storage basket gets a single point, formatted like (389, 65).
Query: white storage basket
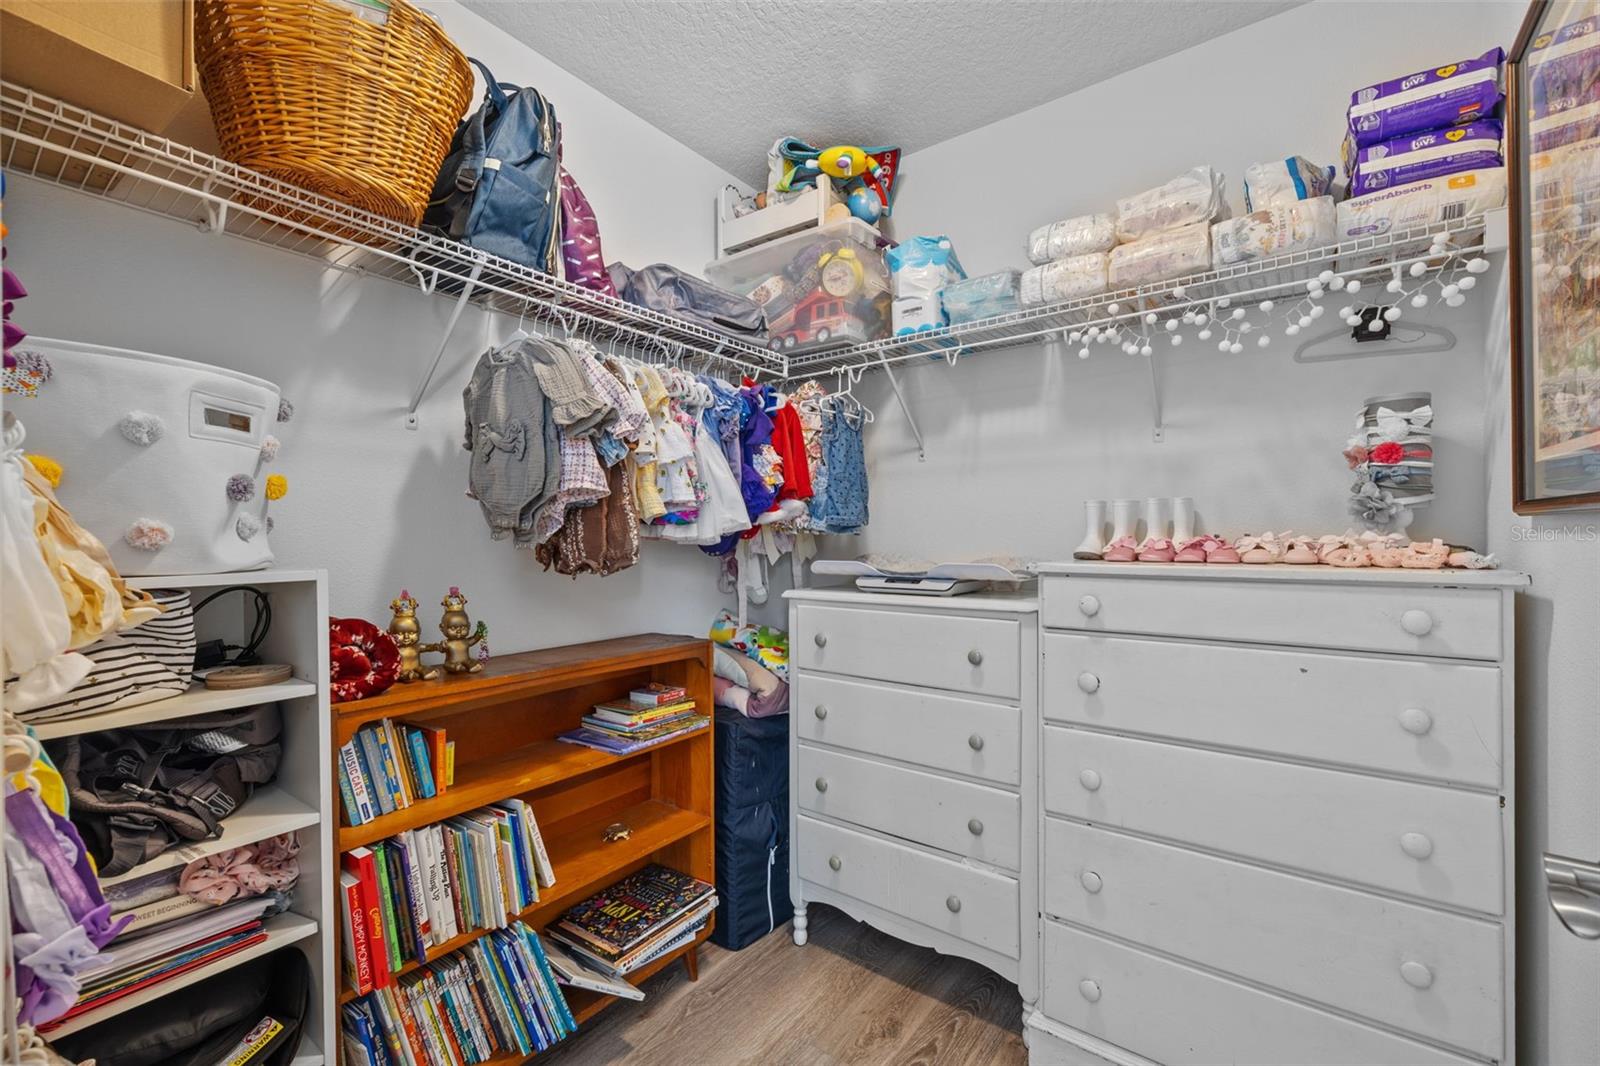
(162, 458)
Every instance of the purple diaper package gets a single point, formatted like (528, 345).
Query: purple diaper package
(1443, 96)
(1430, 154)
(1564, 85)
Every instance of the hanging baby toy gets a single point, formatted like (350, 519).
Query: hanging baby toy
(865, 175)
(459, 636)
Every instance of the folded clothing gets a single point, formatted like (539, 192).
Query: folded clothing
(1285, 181)
(1063, 280)
(746, 673)
(981, 297)
(1430, 154)
(1448, 95)
(1291, 227)
(1160, 257)
(1193, 196)
(921, 266)
(1417, 206)
(1071, 237)
(662, 287)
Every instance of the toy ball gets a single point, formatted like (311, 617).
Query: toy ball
(843, 161)
(864, 206)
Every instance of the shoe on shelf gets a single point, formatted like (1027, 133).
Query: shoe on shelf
(1094, 535)
(1344, 551)
(1463, 558)
(1388, 550)
(1157, 550)
(1121, 550)
(1259, 548)
(1206, 549)
(1425, 555)
(1299, 551)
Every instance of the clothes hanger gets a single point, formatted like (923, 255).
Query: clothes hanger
(1405, 338)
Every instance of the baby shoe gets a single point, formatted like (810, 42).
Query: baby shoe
(1121, 550)
(1262, 548)
(1157, 550)
(1388, 550)
(1466, 559)
(1300, 551)
(1206, 549)
(1346, 551)
(1422, 555)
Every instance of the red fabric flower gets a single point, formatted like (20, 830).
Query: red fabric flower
(1388, 453)
(363, 659)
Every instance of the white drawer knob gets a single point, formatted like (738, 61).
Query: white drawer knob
(821, 712)
(1090, 779)
(1416, 721)
(834, 862)
(820, 640)
(975, 827)
(1089, 605)
(1416, 974)
(975, 742)
(1416, 845)
(1090, 990)
(954, 903)
(822, 784)
(975, 657)
(1091, 881)
(1417, 623)
(1088, 682)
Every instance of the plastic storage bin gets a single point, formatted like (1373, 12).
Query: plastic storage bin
(821, 288)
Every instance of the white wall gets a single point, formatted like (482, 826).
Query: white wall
(380, 506)
(1017, 439)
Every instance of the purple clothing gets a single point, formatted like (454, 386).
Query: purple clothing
(754, 433)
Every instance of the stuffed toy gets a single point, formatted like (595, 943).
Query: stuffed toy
(362, 659)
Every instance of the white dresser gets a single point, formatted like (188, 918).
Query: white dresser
(913, 802)
(1276, 815)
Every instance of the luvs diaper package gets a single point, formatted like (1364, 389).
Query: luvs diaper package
(1447, 95)
(1419, 206)
(1193, 196)
(1430, 154)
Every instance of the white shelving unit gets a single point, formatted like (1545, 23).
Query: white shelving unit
(299, 800)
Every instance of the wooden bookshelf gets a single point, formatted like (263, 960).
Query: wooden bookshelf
(504, 721)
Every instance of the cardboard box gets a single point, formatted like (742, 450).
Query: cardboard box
(129, 60)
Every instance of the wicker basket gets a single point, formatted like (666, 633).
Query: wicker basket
(308, 92)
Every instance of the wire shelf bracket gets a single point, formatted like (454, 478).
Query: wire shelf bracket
(444, 343)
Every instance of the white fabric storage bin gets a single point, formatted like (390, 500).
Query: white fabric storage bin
(150, 441)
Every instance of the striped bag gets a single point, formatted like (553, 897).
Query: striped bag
(141, 665)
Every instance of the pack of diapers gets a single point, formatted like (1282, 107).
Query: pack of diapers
(921, 266)
(984, 296)
(1285, 181)
(916, 314)
(1430, 154)
(1563, 72)
(1292, 227)
(1160, 257)
(1065, 279)
(1417, 206)
(1449, 95)
(1193, 196)
(1072, 236)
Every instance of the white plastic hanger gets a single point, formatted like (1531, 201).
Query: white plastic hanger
(1405, 338)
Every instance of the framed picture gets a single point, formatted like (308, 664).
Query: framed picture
(1553, 161)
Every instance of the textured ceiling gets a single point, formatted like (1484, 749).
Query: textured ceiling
(728, 77)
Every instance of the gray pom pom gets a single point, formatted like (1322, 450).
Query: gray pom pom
(285, 410)
(241, 487)
(247, 527)
(142, 427)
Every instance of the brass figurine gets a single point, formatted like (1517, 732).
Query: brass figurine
(459, 636)
(406, 632)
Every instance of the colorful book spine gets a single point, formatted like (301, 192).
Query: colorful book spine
(357, 947)
(418, 746)
(371, 756)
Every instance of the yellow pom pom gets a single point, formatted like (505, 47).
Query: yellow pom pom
(277, 486)
(48, 469)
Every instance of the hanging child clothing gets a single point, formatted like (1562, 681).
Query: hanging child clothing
(516, 457)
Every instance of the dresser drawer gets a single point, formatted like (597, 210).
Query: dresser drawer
(1453, 623)
(1424, 719)
(951, 733)
(971, 904)
(960, 653)
(1437, 843)
(1107, 989)
(1424, 971)
(974, 821)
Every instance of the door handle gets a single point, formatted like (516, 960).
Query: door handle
(1574, 890)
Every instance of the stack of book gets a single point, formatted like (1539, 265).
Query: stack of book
(649, 716)
(495, 998)
(388, 766)
(419, 889)
(637, 920)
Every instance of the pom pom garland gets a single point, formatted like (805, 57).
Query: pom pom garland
(142, 427)
(148, 534)
(48, 469)
(277, 486)
(241, 487)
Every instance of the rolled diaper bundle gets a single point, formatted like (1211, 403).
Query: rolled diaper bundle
(1291, 227)
(1160, 256)
(1063, 280)
(1447, 95)
(1285, 181)
(1417, 206)
(1193, 196)
(1072, 237)
(1430, 154)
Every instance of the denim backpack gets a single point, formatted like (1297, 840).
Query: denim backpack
(500, 187)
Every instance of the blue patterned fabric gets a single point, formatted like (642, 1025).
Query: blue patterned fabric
(843, 506)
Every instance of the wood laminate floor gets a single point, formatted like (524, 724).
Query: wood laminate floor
(851, 997)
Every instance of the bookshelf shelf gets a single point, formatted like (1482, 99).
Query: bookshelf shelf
(514, 773)
(503, 723)
(198, 700)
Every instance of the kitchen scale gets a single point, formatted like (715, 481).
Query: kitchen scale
(944, 579)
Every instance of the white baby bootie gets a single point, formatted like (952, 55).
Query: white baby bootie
(1094, 535)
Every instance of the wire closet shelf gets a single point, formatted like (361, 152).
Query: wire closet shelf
(58, 143)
